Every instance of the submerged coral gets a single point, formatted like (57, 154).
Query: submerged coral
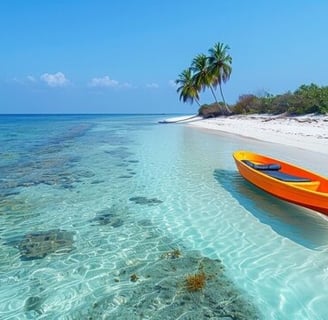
(125, 176)
(34, 303)
(134, 277)
(160, 292)
(108, 216)
(38, 245)
(119, 153)
(195, 282)
(146, 201)
(39, 166)
(174, 254)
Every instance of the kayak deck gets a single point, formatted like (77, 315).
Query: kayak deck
(272, 170)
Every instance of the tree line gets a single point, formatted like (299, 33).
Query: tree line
(304, 100)
(212, 70)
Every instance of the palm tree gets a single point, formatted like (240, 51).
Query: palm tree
(220, 66)
(189, 91)
(202, 77)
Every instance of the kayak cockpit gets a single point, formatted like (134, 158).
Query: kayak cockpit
(273, 170)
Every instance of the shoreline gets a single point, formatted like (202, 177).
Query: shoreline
(308, 132)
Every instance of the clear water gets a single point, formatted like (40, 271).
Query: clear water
(126, 191)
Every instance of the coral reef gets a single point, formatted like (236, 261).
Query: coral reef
(146, 201)
(134, 277)
(34, 303)
(38, 245)
(163, 291)
(195, 282)
(119, 153)
(39, 166)
(125, 176)
(108, 216)
(174, 254)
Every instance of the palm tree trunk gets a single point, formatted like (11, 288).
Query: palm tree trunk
(228, 110)
(216, 100)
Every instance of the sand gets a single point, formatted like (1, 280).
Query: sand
(309, 132)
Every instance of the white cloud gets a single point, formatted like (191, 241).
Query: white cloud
(55, 80)
(103, 82)
(31, 78)
(152, 85)
(127, 85)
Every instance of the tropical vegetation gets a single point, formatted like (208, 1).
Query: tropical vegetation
(189, 92)
(212, 70)
(206, 72)
(304, 100)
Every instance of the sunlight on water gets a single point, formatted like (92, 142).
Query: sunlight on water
(106, 216)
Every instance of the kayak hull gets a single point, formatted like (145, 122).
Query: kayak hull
(286, 181)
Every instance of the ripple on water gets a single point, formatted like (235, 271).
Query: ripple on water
(132, 257)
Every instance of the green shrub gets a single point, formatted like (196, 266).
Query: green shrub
(211, 110)
(306, 99)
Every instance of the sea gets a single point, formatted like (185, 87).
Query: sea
(121, 217)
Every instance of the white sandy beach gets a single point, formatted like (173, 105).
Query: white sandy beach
(308, 132)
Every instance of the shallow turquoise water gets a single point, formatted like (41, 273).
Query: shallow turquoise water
(126, 191)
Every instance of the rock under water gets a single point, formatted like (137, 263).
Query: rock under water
(40, 244)
(158, 290)
(146, 201)
(109, 216)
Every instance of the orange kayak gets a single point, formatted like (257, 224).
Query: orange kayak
(284, 180)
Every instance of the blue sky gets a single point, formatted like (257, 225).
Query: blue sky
(116, 56)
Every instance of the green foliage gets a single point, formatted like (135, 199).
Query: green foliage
(211, 110)
(206, 72)
(187, 87)
(306, 99)
(312, 98)
(210, 71)
(245, 103)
